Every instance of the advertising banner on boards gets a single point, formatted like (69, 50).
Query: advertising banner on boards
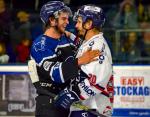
(131, 96)
(132, 91)
(17, 93)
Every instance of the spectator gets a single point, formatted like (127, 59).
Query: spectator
(4, 58)
(23, 51)
(126, 17)
(143, 15)
(145, 45)
(5, 24)
(144, 19)
(130, 51)
(5, 21)
(21, 29)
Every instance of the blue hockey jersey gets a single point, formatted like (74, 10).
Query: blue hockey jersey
(56, 64)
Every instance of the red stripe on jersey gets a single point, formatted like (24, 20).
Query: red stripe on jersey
(101, 89)
(81, 97)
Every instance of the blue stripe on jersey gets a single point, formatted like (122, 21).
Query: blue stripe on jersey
(56, 73)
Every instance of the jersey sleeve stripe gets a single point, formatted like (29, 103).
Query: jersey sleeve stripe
(62, 46)
(56, 73)
(101, 89)
(51, 73)
(49, 57)
(61, 75)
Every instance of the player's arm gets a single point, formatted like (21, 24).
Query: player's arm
(64, 99)
(76, 40)
(70, 35)
(60, 72)
(98, 75)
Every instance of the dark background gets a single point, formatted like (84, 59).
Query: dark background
(30, 4)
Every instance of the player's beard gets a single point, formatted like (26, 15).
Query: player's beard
(81, 33)
(59, 30)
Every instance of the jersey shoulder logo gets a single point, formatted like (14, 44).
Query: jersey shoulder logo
(40, 46)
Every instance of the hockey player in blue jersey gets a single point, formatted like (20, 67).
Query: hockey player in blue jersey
(53, 64)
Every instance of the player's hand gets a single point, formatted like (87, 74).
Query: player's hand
(65, 99)
(68, 34)
(88, 56)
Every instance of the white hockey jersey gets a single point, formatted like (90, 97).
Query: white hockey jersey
(97, 88)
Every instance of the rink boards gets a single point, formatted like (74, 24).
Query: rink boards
(131, 92)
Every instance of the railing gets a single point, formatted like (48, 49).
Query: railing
(115, 38)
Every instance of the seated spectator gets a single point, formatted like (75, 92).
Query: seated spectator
(23, 51)
(130, 51)
(145, 45)
(5, 20)
(143, 15)
(21, 29)
(126, 17)
(145, 42)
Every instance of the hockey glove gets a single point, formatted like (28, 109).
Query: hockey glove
(66, 98)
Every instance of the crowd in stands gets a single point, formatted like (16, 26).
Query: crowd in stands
(18, 28)
(133, 21)
(17, 31)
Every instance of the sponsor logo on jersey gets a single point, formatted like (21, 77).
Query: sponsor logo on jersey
(85, 114)
(102, 57)
(87, 89)
(91, 44)
(43, 84)
(47, 65)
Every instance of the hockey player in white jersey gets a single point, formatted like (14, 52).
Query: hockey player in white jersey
(96, 78)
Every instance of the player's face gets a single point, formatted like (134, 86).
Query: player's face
(79, 27)
(63, 21)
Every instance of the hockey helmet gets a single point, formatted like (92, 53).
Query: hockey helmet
(92, 12)
(53, 8)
